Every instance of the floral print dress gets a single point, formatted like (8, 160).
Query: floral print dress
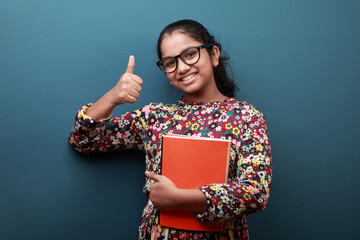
(250, 168)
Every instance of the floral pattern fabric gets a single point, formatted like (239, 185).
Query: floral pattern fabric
(250, 167)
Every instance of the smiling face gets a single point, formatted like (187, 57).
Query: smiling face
(197, 80)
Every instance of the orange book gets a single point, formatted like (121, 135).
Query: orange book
(191, 162)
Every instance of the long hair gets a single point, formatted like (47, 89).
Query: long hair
(198, 32)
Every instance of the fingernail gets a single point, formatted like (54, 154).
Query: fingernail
(147, 172)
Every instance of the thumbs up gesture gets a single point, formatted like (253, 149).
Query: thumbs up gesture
(128, 89)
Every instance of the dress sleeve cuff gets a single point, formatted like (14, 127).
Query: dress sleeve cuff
(86, 120)
(206, 216)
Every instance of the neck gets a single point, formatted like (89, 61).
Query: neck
(206, 98)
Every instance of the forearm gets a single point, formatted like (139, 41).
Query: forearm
(103, 108)
(192, 200)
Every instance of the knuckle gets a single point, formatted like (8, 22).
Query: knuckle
(121, 95)
(126, 77)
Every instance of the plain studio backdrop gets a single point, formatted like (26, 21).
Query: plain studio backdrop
(296, 61)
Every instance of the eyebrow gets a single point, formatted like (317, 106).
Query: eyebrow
(181, 51)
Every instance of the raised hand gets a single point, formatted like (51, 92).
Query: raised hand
(128, 89)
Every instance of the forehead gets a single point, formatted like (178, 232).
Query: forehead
(174, 43)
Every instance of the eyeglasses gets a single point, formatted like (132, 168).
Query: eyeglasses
(189, 56)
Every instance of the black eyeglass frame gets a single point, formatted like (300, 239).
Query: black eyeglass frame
(158, 63)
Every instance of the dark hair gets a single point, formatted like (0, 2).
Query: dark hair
(198, 32)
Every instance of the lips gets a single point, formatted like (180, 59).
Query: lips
(188, 79)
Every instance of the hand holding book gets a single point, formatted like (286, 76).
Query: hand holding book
(165, 195)
(162, 192)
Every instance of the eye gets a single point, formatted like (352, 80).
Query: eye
(168, 62)
(191, 53)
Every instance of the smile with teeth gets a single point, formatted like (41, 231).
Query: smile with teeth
(188, 77)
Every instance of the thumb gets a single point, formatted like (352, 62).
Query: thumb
(131, 64)
(152, 175)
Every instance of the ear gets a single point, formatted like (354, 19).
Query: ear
(215, 55)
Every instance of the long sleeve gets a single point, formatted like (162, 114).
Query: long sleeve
(250, 191)
(123, 132)
(249, 178)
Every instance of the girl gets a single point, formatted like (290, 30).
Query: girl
(191, 59)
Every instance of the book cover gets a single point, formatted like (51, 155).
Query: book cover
(191, 162)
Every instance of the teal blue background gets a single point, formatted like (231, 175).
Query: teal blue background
(297, 61)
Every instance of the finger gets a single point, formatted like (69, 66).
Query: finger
(136, 87)
(137, 79)
(131, 99)
(152, 175)
(134, 94)
(133, 89)
(131, 64)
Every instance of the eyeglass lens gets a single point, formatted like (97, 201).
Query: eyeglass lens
(188, 56)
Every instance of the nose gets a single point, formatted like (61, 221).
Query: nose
(182, 67)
